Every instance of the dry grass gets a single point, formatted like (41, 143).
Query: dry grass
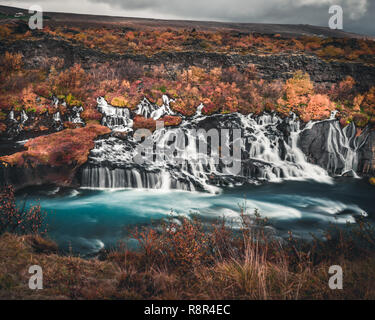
(186, 260)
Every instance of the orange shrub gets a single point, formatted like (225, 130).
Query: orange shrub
(318, 107)
(368, 103)
(11, 62)
(65, 148)
(143, 123)
(119, 101)
(171, 120)
(91, 114)
(297, 91)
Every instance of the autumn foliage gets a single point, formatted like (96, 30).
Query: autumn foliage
(301, 99)
(151, 41)
(124, 83)
(69, 147)
(19, 220)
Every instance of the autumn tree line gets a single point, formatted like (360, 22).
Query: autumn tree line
(220, 89)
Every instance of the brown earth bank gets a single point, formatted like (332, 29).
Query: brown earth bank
(51, 159)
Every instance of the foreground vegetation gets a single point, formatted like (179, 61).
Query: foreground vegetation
(185, 259)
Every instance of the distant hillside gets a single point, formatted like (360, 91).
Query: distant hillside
(285, 30)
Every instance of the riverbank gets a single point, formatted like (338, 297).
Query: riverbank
(181, 259)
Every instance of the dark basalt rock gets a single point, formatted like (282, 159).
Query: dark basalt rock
(366, 156)
(272, 66)
(21, 177)
(313, 143)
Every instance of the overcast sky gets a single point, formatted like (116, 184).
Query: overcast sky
(359, 15)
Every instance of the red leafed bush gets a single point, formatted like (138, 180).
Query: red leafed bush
(91, 114)
(210, 109)
(171, 120)
(318, 107)
(19, 220)
(185, 243)
(360, 120)
(369, 102)
(182, 244)
(69, 147)
(143, 123)
(10, 62)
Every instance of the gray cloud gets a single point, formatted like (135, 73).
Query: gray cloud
(236, 10)
(358, 14)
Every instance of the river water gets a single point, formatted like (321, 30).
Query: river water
(85, 221)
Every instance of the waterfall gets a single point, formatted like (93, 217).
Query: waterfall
(343, 146)
(55, 101)
(120, 178)
(115, 118)
(11, 116)
(24, 117)
(145, 108)
(267, 155)
(199, 110)
(269, 147)
(57, 117)
(76, 115)
(164, 110)
(283, 159)
(57, 122)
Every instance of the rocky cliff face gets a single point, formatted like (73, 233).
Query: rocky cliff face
(339, 150)
(50, 159)
(270, 66)
(366, 164)
(273, 149)
(21, 177)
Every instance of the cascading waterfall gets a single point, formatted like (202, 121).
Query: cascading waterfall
(271, 157)
(57, 117)
(146, 109)
(58, 123)
(269, 151)
(115, 118)
(163, 110)
(55, 101)
(11, 116)
(24, 117)
(119, 178)
(76, 115)
(283, 157)
(342, 147)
